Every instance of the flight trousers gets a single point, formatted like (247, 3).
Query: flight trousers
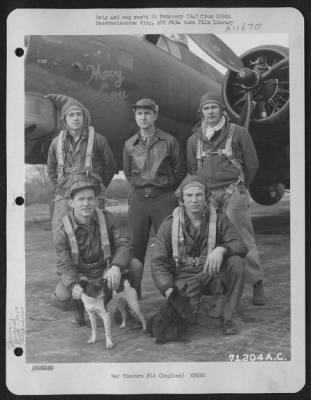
(144, 212)
(236, 205)
(229, 283)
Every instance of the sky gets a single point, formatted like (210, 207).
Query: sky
(240, 43)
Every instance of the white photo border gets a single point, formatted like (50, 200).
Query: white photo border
(264, 377)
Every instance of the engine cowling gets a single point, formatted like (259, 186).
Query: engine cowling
(41, 123)
(267, 195)
(270, 97)
(40, 115)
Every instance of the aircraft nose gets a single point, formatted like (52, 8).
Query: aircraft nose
(26, 46)
(30, 50)
(40, 120)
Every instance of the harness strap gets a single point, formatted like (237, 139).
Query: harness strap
(175, 234)
(71, 170)
(211, 242)
(72, 239)
(88, 154)
(92, 269)
(89, 150)
(194, 261)
(177, 237)
(200, 153)
(229, 153)
(104, 238)
(60, 154)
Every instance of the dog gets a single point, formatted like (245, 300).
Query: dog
(96, 295)
(169, 324)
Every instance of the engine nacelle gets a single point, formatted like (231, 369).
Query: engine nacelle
(270, 97)
(267, 195)
(41, 124)
(41, 116)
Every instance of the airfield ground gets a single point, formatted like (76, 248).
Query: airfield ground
(50, 337)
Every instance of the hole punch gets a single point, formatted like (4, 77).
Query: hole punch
(19, 201)
(19, 52)
(18, 351)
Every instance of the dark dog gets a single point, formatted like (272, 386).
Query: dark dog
(170, 322)
(95, 297)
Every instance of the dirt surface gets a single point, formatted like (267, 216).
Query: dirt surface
(263, 330)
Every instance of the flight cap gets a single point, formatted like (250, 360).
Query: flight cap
(210, 97)
(66, 103)
(71, 105)
(190, 181)
(146, 103)
(82, 181)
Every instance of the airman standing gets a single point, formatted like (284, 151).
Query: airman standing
(77, 149)
(152, 164)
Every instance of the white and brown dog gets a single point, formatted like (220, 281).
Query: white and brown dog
(96, 296)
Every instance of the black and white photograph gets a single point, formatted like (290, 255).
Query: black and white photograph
(161, 223)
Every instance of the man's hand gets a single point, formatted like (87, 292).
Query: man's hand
(76, 292)
(113, 277)
(168, 292)
(214, 261)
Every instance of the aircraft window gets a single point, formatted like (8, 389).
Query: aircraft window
(125, 59)
(174, 49)
(54, 39)
(152, 38)
(162, 44)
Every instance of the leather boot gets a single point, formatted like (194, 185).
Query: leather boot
(258, 294)
(216, 311)
(78, 313)
(229, 327)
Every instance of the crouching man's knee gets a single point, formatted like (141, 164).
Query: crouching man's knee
(135, 266)
(62, 293)
(236, 265)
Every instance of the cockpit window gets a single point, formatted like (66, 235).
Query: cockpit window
(174, 49)
(162, 44)
(54, 39)
(124, 59)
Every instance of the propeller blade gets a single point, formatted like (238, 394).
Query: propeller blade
(219, 51)
(275, 70)
(246, 113)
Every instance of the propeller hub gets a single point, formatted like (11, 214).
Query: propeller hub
(266, 90)
(248, 77)
(261, 88)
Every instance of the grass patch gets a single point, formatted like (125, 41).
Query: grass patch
(118, 189)
(38, 193)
